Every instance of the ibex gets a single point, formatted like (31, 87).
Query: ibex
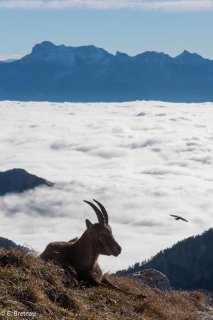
(82, 253)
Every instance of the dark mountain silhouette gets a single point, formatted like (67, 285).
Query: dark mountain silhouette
(88, 73)
(6, 243)
(19, 180)
(188, 264)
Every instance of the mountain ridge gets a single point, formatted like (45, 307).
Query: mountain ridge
(6, 243)
(18, 180)
(188, 264)
(50, 45)
(91, 74)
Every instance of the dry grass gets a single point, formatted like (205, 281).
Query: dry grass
(30, 284)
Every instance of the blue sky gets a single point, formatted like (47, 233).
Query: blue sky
(130, 26)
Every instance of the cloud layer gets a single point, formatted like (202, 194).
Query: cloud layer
(143, 160)
(164, 5)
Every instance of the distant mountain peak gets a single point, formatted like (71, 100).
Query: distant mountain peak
(153, 58)
(118, 53)
(67, 55)
(153, 54)
(45, 45)
(189, 57)
(121, 56)
(19, 180)
(185, 53)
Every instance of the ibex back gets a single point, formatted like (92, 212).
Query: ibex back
(82, 253)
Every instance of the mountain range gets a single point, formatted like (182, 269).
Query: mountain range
(188, 264)
(91, 74)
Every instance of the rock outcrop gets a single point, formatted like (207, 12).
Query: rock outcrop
(153, 278)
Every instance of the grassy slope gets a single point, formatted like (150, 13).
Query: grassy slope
(29, 284)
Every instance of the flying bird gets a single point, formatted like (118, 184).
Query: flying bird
(178, 217)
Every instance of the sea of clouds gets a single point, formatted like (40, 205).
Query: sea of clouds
(142, 160)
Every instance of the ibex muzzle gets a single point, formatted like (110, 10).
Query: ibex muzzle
(82, 253)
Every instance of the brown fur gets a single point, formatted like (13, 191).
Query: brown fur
(82, 253)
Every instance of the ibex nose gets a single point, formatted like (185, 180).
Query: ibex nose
(117, 250)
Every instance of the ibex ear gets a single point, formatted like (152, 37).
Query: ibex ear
(88, 224)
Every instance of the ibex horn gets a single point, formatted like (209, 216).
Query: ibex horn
(99, 214)
(103, 210)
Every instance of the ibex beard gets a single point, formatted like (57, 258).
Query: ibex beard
(82, 253)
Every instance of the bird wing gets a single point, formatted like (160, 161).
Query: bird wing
(178, 217)
(173, 215)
